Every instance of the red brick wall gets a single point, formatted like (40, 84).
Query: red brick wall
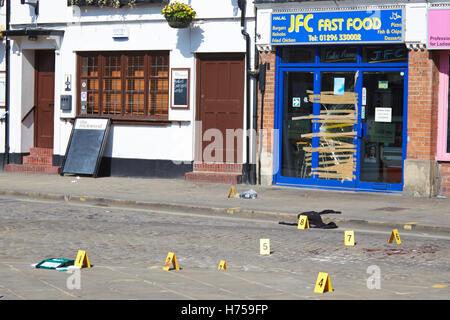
(423, 93)
(269, 101)
(423, 81)
(445, 179)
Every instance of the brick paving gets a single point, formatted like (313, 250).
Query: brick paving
(128, 247)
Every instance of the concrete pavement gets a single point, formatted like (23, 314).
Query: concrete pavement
(393, 210)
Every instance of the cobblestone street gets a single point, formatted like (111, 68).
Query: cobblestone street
(127, 248)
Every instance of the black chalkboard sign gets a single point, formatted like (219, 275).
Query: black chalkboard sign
(180, 88)
(180, 92)
(86, 146)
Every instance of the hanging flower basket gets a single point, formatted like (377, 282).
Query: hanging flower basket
(179, 23)
(178, 15)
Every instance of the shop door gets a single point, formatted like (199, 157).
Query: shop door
(337, 143)
(382, 130)
(221, 79)
(44, 98)
(319, 143)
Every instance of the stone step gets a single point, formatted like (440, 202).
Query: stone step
(38, 160)
(218, 167)
(214, 177)
(32, 168)
(41, 152)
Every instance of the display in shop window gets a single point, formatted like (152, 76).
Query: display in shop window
(371, 153)
(379, 54)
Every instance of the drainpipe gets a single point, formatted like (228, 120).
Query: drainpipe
(249, 170)
(262, 87)
(7, 84)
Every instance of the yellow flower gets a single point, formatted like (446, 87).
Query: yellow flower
(178, 8)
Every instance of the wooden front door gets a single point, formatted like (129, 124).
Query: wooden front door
(44, 98)
(221, 85)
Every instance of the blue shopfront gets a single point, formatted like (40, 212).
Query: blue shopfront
(341, 99)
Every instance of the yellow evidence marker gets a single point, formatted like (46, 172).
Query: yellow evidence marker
(82, 259)
(303, 222)
(410, 225)
(323, 283)
(232, 190)
(395, 235)
(222, 265)
(171, 259)
(349, 238)
(264, 246)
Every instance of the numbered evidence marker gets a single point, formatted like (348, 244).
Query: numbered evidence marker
(171, 259)
(82, 260)
(349, 238)
(303, 222)
(323, 283)
(232, 191)
(264, 246)
(222, 265)
(395, 235)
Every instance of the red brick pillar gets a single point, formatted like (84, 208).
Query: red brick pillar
(267, 156)
(421, 170)
(445, 179)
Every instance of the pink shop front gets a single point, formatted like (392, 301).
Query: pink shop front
(439, 43)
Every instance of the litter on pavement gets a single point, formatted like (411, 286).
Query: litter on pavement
(250, 194)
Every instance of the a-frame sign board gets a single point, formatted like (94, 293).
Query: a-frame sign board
(86, 146)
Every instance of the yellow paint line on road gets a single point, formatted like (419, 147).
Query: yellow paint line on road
(440, 286)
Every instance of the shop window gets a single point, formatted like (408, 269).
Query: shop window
(443, 147)
(378, 54)
(338, 54)
(298, 55)
(448, 109)
(133, 85)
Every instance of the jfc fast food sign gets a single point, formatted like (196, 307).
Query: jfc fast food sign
(377, 26)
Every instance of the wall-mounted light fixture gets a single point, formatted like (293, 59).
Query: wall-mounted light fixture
(33, 3)
(32, 38)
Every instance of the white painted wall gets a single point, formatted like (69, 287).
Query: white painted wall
(2, 132)
(416, 23)
(27, 99)
(216, 29)
(57, 12)
(15, 116)
(22, 91)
